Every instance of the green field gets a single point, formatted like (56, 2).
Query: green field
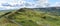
(1, 13)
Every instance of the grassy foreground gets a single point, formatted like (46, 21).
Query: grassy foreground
(29, 17)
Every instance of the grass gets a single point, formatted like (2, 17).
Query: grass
(1, 13)
(28, 17)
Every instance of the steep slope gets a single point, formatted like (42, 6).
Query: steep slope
(29, 17)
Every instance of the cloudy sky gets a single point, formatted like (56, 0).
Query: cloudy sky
(16, 4)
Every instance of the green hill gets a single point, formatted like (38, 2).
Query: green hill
(29, 17)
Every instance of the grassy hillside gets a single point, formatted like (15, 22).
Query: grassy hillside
(2, 12)
(29, 17)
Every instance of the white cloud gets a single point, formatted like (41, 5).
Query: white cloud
(57, 4)
(42, 2)
(11, 4)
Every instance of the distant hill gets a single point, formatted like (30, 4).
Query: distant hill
(49, 9)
